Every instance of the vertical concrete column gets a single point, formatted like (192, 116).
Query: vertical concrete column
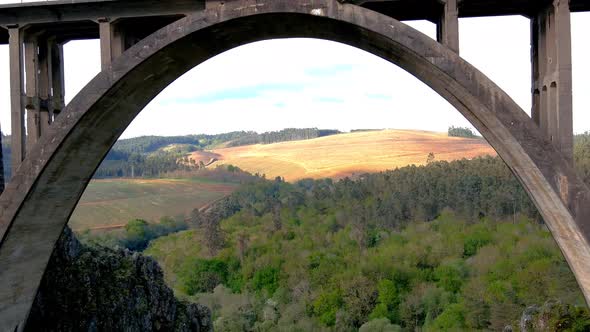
(43, 84)
(57, 78)
(17, 109)
(32, 91)
(447, 28)
(112, 42)
(551, 56)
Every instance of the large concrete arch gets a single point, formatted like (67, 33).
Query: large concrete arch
(44, 190)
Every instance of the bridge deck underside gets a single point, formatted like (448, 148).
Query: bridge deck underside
(59, 12)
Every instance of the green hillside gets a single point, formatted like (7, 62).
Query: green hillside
(448, 246)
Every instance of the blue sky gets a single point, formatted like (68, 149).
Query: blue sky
(313, 83)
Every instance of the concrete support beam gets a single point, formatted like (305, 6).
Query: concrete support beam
(32, 92)
(43, 85)
(57, 79)
(551, 55)
(112, 42)
(17, 109)
(447, 28)
(44, 77)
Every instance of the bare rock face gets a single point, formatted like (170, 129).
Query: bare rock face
(102, 289)
(554, 316)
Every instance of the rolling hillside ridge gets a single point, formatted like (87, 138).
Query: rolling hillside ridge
(348, 154)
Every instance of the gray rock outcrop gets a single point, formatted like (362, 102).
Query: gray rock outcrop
(102, 289)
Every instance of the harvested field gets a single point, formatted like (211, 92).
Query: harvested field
(110, 203)
(348, 154)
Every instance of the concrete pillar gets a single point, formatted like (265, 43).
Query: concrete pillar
(112, 42)
(56, 77)
(551, 55)
(32, 92)
(17, 109)
(447, 28)
(39, 85)
(43, 85)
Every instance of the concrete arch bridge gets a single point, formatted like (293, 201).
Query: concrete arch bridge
(147, 44)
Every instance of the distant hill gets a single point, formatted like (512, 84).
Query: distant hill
(342, 155)
(153, 156)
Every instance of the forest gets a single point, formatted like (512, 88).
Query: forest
(445, 246)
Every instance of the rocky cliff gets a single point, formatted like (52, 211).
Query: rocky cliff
(102, 289)
(552, 316)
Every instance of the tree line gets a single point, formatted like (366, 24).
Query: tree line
(288, 134)
(461, 132)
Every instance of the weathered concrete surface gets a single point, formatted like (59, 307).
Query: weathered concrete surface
(32, 92)
(447, 27)
(43, 93)
(112, 43)
(17, 109)
(551, 55)
(76, 10)
(44, 191)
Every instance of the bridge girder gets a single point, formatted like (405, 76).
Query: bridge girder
(53, 12)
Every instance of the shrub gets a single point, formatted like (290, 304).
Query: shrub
(326, 306)
(202, 275)
(266, 278)
(453, 318)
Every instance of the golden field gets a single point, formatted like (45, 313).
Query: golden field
(348, 154)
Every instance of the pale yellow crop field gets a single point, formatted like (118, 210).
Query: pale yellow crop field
(348, 154)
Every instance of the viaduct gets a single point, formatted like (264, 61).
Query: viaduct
(147, 44)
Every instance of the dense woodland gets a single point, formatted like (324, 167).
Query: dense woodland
(450, 245)
(445, 246)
